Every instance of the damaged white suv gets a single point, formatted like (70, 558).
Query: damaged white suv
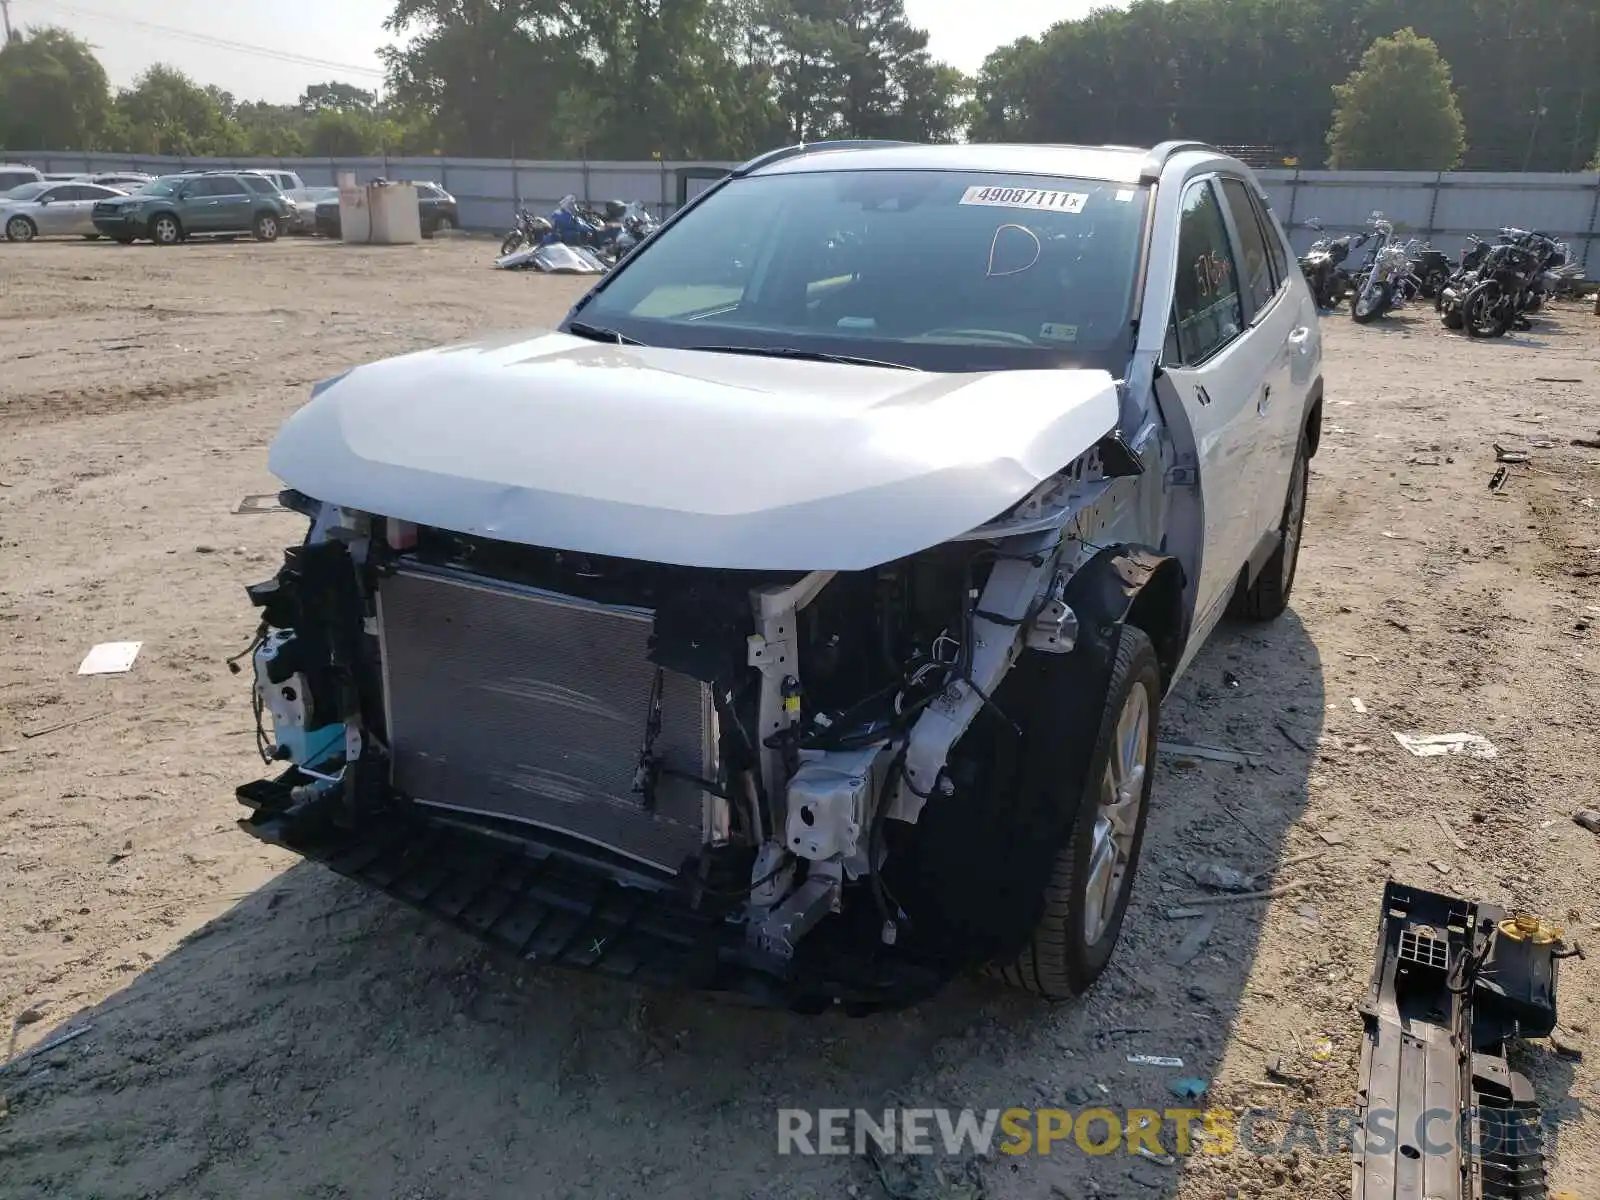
(794, 622)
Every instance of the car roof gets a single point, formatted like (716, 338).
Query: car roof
(1114, 164)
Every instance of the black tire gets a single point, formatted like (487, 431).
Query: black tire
(267, 227)
(987, 875)
(1534, 304)
(166, 229)
(512, 244)
(1062, 959)
(1452, 318)
(1479, 315)
(1382, 297)
(443, 225)
(20, 229)
(1268, 596)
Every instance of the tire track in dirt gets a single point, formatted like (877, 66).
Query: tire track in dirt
(57, 405)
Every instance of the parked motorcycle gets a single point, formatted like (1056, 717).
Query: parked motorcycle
(530, 231)
(1432, 268)
(622, 235)
(576, 223)
(1386, 282)
(1323, 265)
(1499, 284)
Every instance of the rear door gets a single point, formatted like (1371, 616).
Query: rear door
(1215, 373)
(80, 219)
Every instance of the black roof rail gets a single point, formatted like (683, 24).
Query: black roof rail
(783, 152)
(1150, 172)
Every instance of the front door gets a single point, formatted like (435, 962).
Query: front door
(53, 212)
(1215, 373)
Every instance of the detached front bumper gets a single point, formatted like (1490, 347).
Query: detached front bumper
(541, 905)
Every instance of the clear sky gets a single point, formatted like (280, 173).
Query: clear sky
(193, 35)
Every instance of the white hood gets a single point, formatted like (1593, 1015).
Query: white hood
(687, 457)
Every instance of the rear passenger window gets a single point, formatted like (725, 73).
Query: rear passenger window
(1274, 240)
(1207, 292)
(1255, 268)
(256, 184)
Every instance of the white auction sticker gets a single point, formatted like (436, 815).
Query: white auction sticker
(1035, 198)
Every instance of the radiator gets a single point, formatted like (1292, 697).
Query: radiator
(522, 704)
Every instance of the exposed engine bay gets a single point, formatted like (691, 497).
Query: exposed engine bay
(740, 738)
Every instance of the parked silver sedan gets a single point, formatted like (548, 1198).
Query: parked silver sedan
(52, 210)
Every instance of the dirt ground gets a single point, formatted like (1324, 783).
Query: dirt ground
(262, 1029)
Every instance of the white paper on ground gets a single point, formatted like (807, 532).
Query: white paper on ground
(1435, 744)
(108, 658)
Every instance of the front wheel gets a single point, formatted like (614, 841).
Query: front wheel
(1092, 880)
(1482, 312)
(20, 229)
(1371, 302)
(165, 230)
(512, 244)
(444, 225)
(266, 228)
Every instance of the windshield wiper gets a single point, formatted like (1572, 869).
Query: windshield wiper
(850, 360)
(599, 333)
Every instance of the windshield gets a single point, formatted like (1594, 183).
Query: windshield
(27, 191)
(945, 271)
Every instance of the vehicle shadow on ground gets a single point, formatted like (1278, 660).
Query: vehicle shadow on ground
(318, 1040)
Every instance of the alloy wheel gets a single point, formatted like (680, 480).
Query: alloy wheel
(1121, 796)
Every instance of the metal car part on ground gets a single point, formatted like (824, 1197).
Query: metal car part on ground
(1440, 1112)
(793, 622)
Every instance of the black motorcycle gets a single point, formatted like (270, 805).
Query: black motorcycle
(530, 231)
(1323, 265)
(1498, 284)
(1433, 268)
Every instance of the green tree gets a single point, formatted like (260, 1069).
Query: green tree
(1262, 72)
(337, 134)
(53, 93)
(488, 73)
(165, 112)
(339, 97)
(275, 130)
(1398, 110)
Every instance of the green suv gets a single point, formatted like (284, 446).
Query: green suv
(176, 207)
